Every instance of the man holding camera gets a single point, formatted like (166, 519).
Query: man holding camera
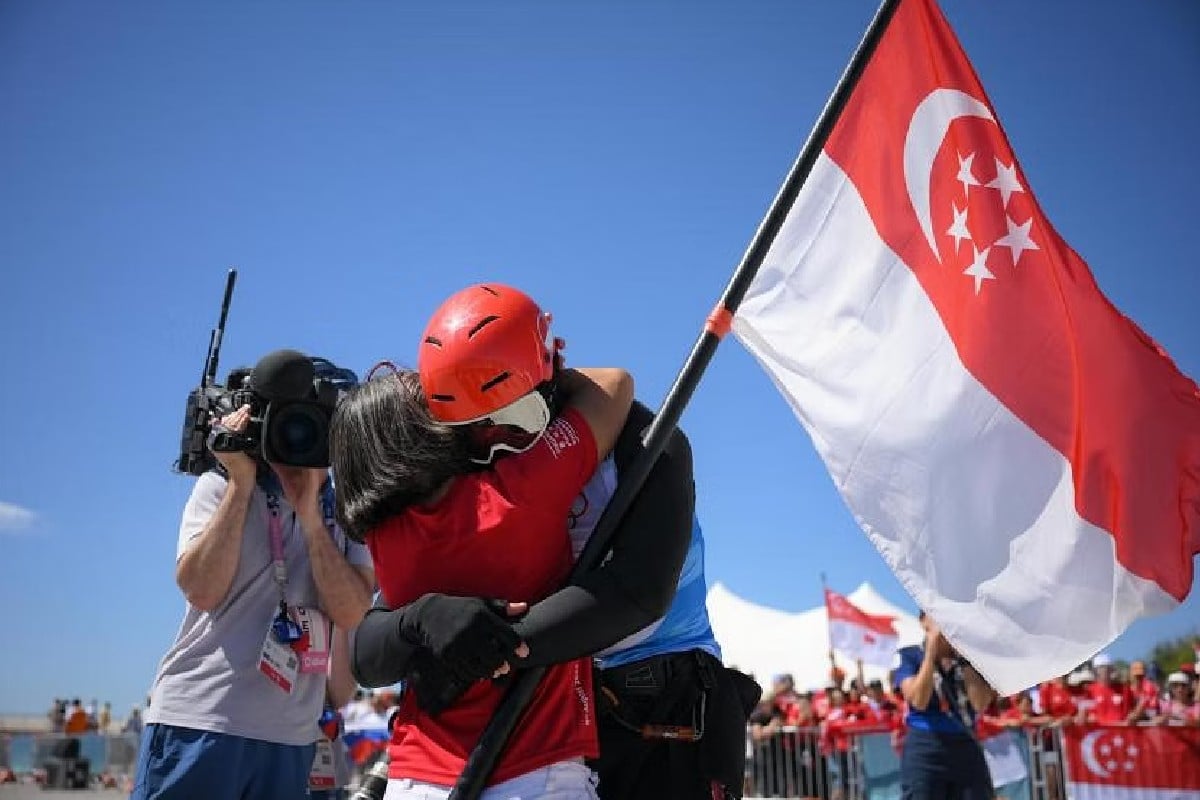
(266, 574)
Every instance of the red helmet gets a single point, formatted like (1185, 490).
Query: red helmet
(484, 349)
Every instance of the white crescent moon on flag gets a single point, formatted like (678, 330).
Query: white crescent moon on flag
(926, 130)
(1088, 748)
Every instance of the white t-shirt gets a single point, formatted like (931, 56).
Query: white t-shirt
(209, 679)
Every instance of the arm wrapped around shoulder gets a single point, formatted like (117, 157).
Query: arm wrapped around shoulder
(636, 585)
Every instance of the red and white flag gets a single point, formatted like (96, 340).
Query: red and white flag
(859, 635)
(1024, 457)
(1132, 763)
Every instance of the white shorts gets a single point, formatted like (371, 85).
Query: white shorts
(566, 780)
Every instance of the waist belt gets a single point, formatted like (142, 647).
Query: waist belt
(665, 680)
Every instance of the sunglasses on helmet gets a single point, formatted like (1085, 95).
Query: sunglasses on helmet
(512, 429)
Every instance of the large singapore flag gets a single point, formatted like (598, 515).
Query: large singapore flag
(1026, 460)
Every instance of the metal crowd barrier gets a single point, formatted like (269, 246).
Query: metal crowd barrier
(111, 754)
(808, 764)
(803, 764)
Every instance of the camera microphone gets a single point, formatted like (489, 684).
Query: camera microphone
(283, 375)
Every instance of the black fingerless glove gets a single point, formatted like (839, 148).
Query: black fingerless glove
(467, 635)
(435, 687)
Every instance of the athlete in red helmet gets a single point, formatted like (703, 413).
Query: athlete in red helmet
(442, 531)
(643, 607)
(486, 362)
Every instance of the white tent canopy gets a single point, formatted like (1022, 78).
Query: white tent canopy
(766, 641)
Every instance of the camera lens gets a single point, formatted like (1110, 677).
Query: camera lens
(299, 435)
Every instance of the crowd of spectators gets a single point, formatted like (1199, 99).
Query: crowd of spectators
(73, 717)
(1098, 692)
(799, 739)
(1103, 693)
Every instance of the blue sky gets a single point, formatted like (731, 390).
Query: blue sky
(359, 161)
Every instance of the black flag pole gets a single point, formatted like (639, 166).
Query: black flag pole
(495, 736)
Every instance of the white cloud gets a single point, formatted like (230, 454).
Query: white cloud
(15, 518)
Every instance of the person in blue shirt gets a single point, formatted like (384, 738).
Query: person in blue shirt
(942, 759)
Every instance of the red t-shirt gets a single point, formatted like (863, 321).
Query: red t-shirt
(1147, 691)
(1110, 704)
(839, 720)
(1056, 701)
(788, 706)
(499, 533)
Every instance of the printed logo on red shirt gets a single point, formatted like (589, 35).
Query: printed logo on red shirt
(559, 436)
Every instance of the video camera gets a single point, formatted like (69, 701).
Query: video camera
(291, 398)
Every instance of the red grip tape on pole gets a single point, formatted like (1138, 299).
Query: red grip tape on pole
(719, 322)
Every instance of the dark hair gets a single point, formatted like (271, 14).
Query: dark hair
(387, 453)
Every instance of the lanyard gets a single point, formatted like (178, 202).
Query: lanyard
(275, 532)
(279, 566)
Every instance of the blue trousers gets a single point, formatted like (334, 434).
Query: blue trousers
(183, 763)
(943, 766)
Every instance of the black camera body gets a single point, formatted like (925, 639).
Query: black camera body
(291, 398)
(290, 412)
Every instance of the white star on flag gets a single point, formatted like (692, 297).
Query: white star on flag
(1017, 239)
(959, 228)
(1006, 181)
(965, 176)
(978, 268)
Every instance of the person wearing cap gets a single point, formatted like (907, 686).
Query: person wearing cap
(265, 573)
(1112, 702)
(941, 759)
(1146, 692)
(1179, 708)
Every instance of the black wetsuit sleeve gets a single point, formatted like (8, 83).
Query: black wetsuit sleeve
(636, 585)
(379, 655)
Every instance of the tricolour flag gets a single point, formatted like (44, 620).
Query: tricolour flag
(1132, 763)
(856, 634)
(1024, 457)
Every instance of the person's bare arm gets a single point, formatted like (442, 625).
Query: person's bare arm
(341, 684)
(205, 570)
(602, 396)
(344, 589)
(918, 689)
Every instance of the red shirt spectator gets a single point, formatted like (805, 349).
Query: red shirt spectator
(883, 706)
(843, 716)
(820, 704)
(785, 700)
(1145, 691)
(1112, 703)
(1056, 700)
